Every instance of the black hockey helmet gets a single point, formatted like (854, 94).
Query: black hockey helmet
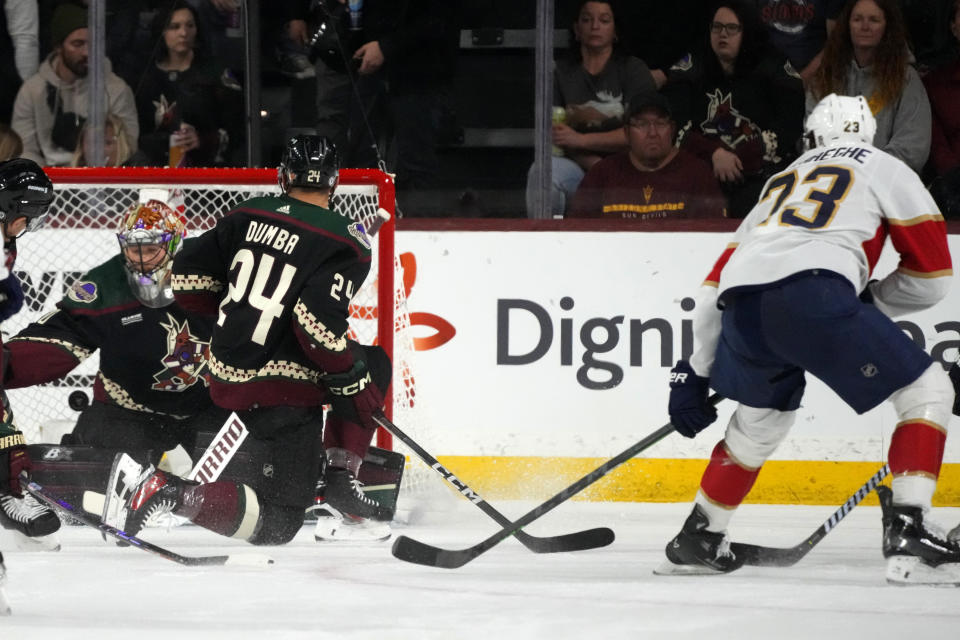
(309, 161)
(25, 192)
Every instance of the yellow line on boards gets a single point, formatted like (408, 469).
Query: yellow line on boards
(674, 480)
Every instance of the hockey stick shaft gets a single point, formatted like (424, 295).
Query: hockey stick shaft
(761, 556)
(417, 552)
(61, 505)
(578, 541)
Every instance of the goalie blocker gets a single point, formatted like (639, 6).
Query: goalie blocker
(72, 470)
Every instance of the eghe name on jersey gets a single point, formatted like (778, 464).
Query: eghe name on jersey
(855, 153)
(272, 236)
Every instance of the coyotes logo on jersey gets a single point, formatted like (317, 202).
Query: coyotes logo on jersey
(186, 360)
(724, 121)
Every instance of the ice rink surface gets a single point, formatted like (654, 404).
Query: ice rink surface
(350, 591)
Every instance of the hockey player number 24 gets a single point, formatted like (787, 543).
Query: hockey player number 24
(825, 201)
(270, 307)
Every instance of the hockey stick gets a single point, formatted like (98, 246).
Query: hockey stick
(579, 541)
(760, 556)
(417, 552)
(65, 507)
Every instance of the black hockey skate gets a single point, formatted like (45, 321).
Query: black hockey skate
(345, 512)
(27, 516)
(156, 494)
(696, 551)
(917, 552)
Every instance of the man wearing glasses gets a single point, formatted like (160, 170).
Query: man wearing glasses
(652, 179)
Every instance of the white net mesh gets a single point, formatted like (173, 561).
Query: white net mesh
(80, 234)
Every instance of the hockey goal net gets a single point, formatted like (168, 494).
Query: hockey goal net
(80, 234)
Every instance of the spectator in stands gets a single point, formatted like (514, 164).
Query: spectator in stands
(653, 179)
(740, 105)
(19, 53)
(183, 100)
(121, 22)
(10, 144)
(593, 85)
(943, 89)
(116, 146)
(799, 30)
(867, 55)
(52, 104)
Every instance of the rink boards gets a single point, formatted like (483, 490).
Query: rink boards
(540, 354)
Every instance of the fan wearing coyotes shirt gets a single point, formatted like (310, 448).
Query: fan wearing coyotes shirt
(277, 275)
(790, 295)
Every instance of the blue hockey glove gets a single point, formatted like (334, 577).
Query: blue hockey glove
(690, 412)
(11, 296)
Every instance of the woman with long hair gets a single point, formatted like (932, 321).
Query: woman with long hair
(739, 105)
(591, 89)
(189, 116)
(867, 54)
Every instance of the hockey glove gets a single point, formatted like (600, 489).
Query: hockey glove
(353, 395)
(13, 460)
(690, 412)
(11, 296)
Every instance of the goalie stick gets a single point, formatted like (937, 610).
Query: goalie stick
(578, 541)
(82, 516)
(418, 552)
(761, 556)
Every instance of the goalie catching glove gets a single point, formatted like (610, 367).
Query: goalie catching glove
(353, 394)
(690, 412)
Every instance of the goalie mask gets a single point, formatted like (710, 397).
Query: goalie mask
(840, 119)
(150, 236)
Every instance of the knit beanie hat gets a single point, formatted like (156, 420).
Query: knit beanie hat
(67, 18)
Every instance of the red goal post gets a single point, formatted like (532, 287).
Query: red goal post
(80, 234)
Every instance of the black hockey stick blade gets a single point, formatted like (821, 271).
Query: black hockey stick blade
(761, 556)
(417, 552)
(64, 507)
(577, 541)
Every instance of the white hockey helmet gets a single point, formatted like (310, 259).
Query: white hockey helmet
(157, 220)
(840, 118)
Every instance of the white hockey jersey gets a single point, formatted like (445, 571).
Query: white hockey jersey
(833, 209)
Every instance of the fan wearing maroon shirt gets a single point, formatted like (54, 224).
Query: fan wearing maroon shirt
(653, 179)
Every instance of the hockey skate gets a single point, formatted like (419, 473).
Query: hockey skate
(345, 513)
(917, 551)
(138, 497)
(696, 551)
(32, 524)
